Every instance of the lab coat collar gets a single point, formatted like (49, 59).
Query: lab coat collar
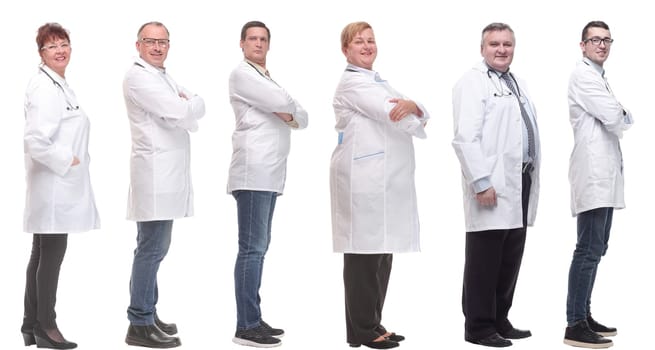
(594, 65)
(141, 62)
(483, 67)
(58, 78)
(263, 71)
(371, 73)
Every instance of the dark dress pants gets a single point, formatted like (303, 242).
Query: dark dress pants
(493, 261)
(365, 278)
(41, 280)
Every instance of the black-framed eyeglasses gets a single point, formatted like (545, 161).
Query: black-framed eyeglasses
(596, 41)
(149, 42)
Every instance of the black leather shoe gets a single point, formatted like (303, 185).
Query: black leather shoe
(42, 340)
(395, 337)
(600, 329)
(168, 328)
(494, 340)
(384, 344)
(150, 336)
(581, 335)
(514, 333)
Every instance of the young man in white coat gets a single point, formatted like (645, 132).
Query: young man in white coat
(497, 143)
(596, 177)
(265, 115)
(161, 114)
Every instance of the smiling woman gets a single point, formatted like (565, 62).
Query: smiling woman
(372, 176)
(59, 196)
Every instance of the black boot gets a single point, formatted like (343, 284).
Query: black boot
(150, 336)
(168, 328)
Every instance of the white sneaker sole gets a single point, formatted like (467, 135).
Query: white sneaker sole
(246, 342)
(587, 345)
(607, 334)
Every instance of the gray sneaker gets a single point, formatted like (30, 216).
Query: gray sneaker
(273, 332)
(257, 337)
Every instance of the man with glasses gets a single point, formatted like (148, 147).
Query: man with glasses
(596, 177)
(161, 114)
(265, 115)
(497, 143)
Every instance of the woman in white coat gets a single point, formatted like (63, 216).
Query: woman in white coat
(59, 196)
(374, 212)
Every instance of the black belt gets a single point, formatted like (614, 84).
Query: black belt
(527, 168)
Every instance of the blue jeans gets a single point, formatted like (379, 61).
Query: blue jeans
(255, 213)
(593, 234)
(152, 243)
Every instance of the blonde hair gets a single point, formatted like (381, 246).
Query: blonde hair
(350, 30)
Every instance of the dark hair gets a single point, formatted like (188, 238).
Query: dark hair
(593, 24)
(254, 24)
(495, 27)
(50, 31)
(154, 23)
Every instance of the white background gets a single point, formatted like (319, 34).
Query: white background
(423, 49)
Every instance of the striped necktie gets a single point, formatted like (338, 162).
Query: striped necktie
(524, 114)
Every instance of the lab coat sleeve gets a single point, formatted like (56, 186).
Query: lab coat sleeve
(248, 86)
(595, 99)
(299, 117)
(372, 101)
(469, 113)
(43, 114)
(149, 92)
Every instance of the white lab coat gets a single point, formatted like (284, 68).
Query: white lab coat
(160, 121)
(598, 121)
(489, 143)
(372, 188)
(59, 196)
(261, 140)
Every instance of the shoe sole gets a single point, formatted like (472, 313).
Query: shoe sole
(254, 344)
(607, 334)
(138, 342)
(588, 345)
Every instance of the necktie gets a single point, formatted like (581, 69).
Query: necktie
(524, 114)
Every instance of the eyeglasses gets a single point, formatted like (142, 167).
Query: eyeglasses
(64, 46)
(596, 41)
(150, 42)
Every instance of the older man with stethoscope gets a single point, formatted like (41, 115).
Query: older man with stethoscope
(496, 141)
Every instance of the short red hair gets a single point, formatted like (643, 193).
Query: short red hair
(50, 31)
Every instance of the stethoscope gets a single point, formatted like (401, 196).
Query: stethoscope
(499, 88)
(70, 105)
(263, 75)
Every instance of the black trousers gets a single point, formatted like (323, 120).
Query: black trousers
(41, 280)
(493, 261)
(365, 278)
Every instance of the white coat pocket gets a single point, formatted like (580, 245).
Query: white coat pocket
(497, 164)
(368, 173)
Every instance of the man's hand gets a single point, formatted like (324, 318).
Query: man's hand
(487, 198)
